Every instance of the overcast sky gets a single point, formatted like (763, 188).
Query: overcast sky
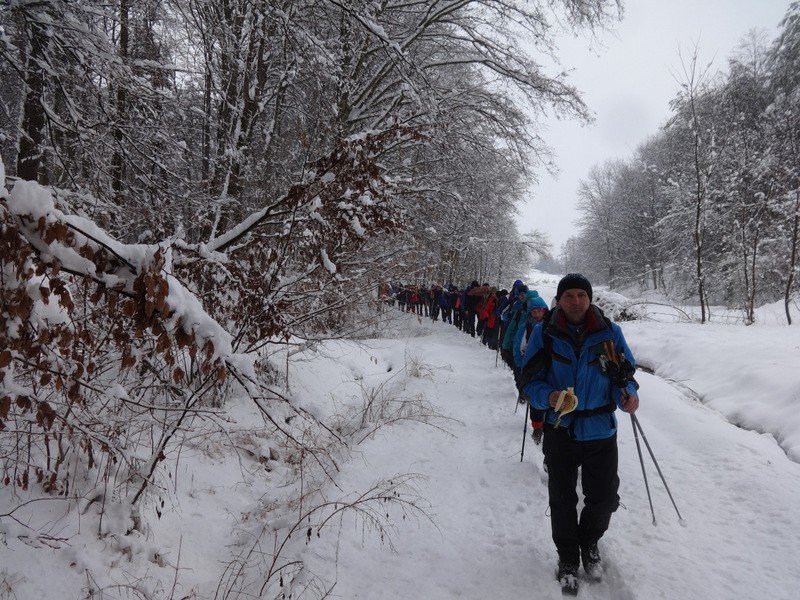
(628, 83)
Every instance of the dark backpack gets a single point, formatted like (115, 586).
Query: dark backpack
(541, 361)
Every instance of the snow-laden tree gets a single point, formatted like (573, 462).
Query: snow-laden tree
(783, 123)
(224, 177)
(746, 184)
(599, 222)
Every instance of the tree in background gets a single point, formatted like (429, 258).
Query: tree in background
(716, 188)
(783, 122)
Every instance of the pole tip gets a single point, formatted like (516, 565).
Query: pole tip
(683, 523)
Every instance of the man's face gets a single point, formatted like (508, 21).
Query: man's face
(575, 303)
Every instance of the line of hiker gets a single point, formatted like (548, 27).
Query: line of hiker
(573, 367)
(502, 320)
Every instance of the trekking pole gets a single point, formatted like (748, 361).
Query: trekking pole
(638, 425)
(498, 341)
(644, 473)
(621, 371)
(524, 431)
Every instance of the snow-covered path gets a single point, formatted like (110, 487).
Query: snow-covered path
(735, 489)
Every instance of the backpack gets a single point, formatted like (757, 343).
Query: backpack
(542, 360)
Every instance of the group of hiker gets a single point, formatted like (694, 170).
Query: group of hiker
(477, 310)
(573, 367)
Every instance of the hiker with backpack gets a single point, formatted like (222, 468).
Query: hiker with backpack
(502, 311)
(518, 317)
(510, 319)
(470, 304)
(536, 309)
(491, 319)
(446, 302)
(564, 376)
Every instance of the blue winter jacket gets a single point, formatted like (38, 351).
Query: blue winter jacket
(518, 315)
(576, 363)
(501, 306)
(511, 299)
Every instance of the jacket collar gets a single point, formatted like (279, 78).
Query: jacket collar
(595, 321)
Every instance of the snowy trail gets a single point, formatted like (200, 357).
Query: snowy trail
(492, 537)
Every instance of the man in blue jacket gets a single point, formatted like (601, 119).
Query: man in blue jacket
(566, 359)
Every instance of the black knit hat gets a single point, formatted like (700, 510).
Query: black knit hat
(574, 281)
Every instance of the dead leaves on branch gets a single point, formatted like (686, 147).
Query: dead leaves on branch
(84, 331)
(98, 336)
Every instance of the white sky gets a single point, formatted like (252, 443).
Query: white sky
(628, 83)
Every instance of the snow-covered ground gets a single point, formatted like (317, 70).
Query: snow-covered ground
(476, 523)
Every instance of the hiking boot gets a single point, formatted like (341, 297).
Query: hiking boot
(567, 575)
(521, 399)
(592, 563)
(537, 434)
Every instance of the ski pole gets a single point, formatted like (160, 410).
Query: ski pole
(524, 431)
(644, 473)
(655, 462)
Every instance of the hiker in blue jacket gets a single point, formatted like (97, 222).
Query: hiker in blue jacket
(535, 309)
(513, 317)
(569, 350)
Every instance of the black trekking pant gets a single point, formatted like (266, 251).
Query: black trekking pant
(447, 314)
(599, 480)
(469, 324)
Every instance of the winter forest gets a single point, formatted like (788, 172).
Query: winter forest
(195, 193)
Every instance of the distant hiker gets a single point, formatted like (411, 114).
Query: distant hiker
(536, 310)
(434, 302)
(510, 319)
(446, 303)
(501, 310)
(413, 299)
(471, 308)
(491, 320)
(485, 293)
(519, 315)
(458, 307)
(402, 297)
(562, 362)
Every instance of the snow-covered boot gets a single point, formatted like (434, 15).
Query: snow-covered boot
(567, 575)
(592, 563)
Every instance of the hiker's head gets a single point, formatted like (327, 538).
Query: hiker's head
(537, 308)
(574, 295)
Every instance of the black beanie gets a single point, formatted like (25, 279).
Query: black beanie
(574, 281)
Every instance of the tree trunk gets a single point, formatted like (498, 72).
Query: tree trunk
(795, 241)
(118, 159)
(698, 224)
(30, 144)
